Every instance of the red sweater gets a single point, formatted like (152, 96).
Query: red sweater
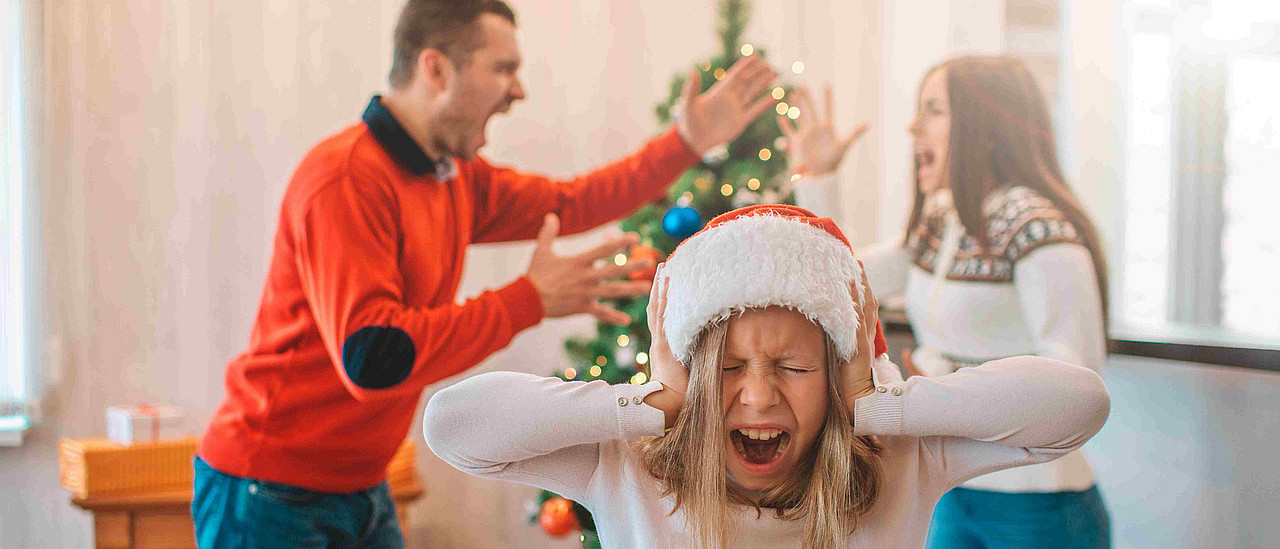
(358, 314)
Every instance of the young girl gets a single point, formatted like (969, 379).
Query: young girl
(773, 418)
(1000, 259)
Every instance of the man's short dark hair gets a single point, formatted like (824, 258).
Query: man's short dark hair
(445, 25)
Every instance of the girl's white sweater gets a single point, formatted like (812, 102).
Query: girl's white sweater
(576, 439)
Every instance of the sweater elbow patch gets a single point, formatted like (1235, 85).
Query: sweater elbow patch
(378, 357)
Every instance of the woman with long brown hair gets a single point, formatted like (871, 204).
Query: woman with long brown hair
(773, 418)
(999, 259)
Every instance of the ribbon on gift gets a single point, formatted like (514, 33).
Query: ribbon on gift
(153, 413)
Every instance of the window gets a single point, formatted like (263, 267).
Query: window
(1203, 153)
(17, 360)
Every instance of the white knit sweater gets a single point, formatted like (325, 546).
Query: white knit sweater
(575, 438)
(1033, 293)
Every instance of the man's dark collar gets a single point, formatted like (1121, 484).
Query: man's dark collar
(393, 137)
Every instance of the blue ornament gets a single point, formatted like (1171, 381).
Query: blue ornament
(681, 222)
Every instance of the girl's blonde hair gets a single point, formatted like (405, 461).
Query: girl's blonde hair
(834, 485)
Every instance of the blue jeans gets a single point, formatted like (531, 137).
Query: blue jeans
(239, 513)
(980, 519)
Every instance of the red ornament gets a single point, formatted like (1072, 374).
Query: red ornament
(650, 253)
(558, 518)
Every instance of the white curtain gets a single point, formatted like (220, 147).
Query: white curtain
(19, 147)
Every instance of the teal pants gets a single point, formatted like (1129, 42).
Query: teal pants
(239, 513)
(980, 519)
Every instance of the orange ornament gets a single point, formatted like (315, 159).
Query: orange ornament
(557, 518)
(650, 253)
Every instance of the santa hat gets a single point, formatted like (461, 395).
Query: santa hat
(760, 256)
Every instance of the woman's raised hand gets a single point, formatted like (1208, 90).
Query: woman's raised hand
(812, 145)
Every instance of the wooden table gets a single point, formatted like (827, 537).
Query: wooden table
(163, 520)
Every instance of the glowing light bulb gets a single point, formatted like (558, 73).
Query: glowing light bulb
(765, 154)
(797, 67)
(620, 260)
(747, 49)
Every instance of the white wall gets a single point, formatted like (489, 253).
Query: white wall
(1093, 125)
(911, 45)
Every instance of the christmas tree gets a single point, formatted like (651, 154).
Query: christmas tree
(750, 170)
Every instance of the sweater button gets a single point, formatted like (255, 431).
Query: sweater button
(881, 389)
(897, 391)
(622, 401)
(637, 400)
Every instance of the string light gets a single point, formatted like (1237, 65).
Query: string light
(793, 113)
(726, 189)
(747, 49)
(623, 340)
(701, 183)
(778, 93)
(765, 154)
(687, 196)
(642, 358)
(782, 107)
(570, 373)
(601, 361)
(753, 184)
(718, 74)
(639, 378)
(595, 371)
(620, 259)
(797, 67)
(706, 66)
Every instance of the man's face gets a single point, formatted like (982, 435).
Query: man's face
(488, 84)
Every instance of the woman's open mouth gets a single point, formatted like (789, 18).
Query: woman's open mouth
(760, 449)
(924, 158)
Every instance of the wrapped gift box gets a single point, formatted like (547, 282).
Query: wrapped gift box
(91, 467)
(144, 423)
(402, 472)
(94, 467)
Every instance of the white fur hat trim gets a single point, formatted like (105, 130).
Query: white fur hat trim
(759, 261)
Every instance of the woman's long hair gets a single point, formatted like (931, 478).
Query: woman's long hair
(834, 485)
(1001, 134)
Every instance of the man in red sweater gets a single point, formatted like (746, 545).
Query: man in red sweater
(358, 313)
